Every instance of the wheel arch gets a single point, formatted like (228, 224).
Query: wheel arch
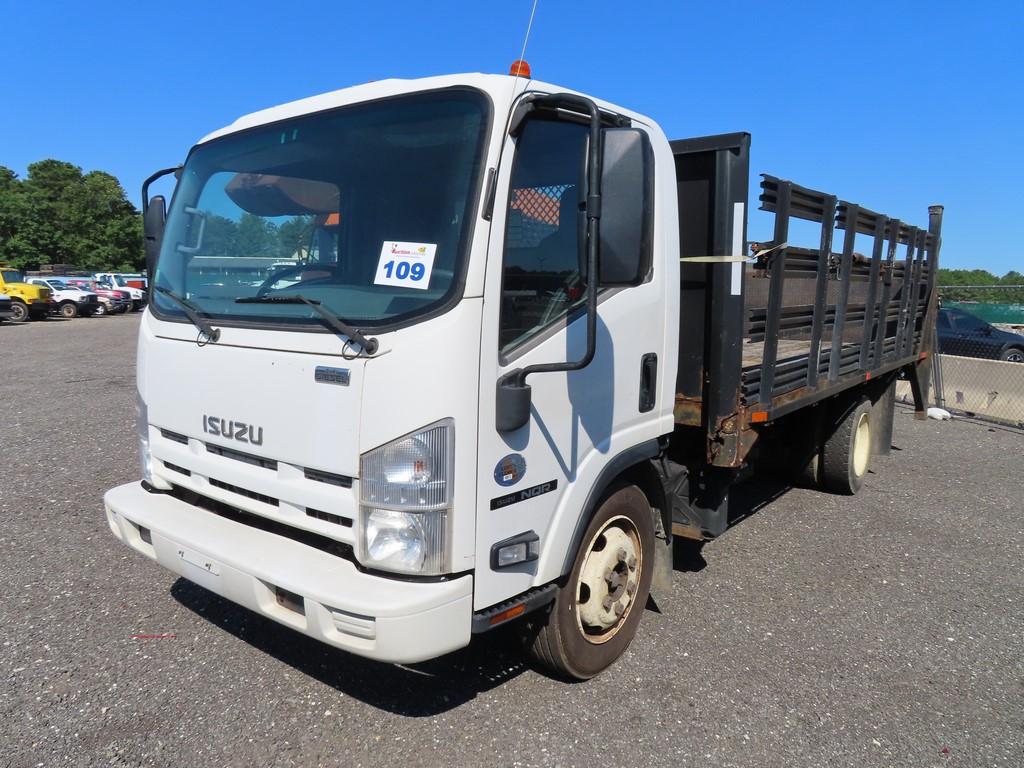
(633, 465)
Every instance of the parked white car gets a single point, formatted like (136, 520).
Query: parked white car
(69, 300)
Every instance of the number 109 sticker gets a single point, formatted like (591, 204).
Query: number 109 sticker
(407, 265)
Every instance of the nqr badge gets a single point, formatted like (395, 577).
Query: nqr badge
(510, 469)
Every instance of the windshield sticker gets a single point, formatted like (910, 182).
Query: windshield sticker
(406, 265)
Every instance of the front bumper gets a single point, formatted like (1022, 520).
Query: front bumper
(373, 616)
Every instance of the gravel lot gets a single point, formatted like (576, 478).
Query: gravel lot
(881, 630)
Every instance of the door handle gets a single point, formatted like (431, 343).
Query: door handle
(648, 381)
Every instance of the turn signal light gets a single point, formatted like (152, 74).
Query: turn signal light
(508, 614)
(519, 68)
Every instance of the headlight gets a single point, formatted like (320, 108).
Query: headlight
(405, 494)
(142, 430)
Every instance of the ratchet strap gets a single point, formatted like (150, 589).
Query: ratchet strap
(731, 259)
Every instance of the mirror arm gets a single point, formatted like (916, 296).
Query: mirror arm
(158, 175)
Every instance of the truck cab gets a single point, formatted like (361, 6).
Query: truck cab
(27, 300)
(464, 404)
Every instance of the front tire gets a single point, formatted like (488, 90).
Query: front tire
(69, 310)
(846, 454)
(597, 610)
(20, 312)
(100, 311)
(1012, 355)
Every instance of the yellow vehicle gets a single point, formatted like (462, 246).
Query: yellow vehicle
(27, 301)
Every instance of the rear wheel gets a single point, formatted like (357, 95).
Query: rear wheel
(100, 310)
(596, 612)
(69, 310)
(20, 312)
(846, 453)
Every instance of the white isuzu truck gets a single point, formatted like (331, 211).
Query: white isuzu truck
(516, 346)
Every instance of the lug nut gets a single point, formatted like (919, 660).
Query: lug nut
(621, 554)
(619, 610)
(631, 588)
(607, 604)
(632, 563)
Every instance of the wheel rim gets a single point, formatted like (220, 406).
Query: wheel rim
(609, 580)
(68, 311)
(861, 445)
(1015, 356)
(20, 313)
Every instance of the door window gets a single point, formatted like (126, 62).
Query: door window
(541, 280)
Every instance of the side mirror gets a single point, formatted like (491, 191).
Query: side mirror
(627, 197)
(514, 397)
(153, 220)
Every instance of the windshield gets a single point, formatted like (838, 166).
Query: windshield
(12, 276)
(57, 285)
(365, 209)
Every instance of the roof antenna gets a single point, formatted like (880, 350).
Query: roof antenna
(519, 67)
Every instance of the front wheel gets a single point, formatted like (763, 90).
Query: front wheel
(100, 310)
(1013, 355)
(597, 610)
(69, 310)
(20, 312)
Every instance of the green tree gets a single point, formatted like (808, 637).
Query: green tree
(293, 237)
(58, 215)
(256, 236)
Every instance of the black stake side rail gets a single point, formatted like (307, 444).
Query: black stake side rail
(899, 296)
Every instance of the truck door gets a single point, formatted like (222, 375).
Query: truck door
(534, 478)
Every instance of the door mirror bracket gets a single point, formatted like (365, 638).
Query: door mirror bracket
(154, 216)
(513, 396)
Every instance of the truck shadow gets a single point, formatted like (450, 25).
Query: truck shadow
(421, 690)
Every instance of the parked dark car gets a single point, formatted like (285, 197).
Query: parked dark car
(961, 333)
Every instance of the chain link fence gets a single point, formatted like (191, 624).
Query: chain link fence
(979, 371)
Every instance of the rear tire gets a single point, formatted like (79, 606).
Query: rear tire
(20, 312)
(69, 310)
(846, 454)
(597, 610)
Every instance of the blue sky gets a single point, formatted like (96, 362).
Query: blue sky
(894, 105)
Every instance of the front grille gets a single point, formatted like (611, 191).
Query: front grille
(179, 470)
(244, 492)
(315, 540)
(327, 477)
(248, 458)
(174, 436)
(328, 517)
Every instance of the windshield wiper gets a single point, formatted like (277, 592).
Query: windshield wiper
(368, 345)
(192, 312)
